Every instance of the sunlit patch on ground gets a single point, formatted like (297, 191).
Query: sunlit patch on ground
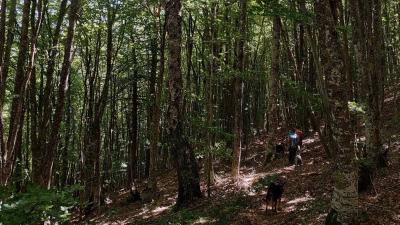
(204, 220)
(303, 199)
(290, 208)
(156, 211)
(284, 170)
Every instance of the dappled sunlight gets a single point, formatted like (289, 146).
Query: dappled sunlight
(204, 220)
(160, 209)
(309, 141)
(284, 170)
(299, 200)
(290, 208)
(389, 99)
(156, 211)
(247, 179)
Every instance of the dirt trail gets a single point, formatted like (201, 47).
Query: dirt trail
(305, 200)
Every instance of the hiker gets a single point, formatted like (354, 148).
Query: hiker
(300, 137)
(293, 146)
(295, 143)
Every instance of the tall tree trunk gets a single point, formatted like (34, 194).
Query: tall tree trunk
(133, 126)
(273, 87)
(238, 92)
(6, 56)
(43, 168)
(376, 76)
(152, 89)
(91, 154)
(185, 162)
(44, 110)
(159, 89)
(344, 205)
(4, 67)
(3, 15)
(19, 91)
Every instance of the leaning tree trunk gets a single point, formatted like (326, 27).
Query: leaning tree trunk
(62, 88)
(19, 94)
(42, 156)
(185, 163)
(344, 205)
(91, 170)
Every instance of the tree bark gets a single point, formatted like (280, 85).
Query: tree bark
(273, 87)
(39, 147)
(238, 92)
(184, 160)
(344, 205)
(133, 126)
(44, 155)
(16, 105)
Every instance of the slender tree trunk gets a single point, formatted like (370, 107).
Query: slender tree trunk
(238, 92)
(133, 126)
(91, 170)
(43, 172)
(185, 162)
(44, 106)
(6, 57)
(16, 105)
(159, 88)
(151, 128)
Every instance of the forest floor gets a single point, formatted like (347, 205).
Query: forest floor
(305, 200)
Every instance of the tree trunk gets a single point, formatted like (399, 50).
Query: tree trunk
(19, 94)
(185, 163)
(39, 147)
(344, 205)
(44, 160)
(91, 154)
(133, 126)
(238, 92)
(273, 87)
(151, 128)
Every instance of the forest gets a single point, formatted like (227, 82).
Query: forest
(178, 112)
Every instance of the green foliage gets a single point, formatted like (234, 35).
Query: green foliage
(219, 150)
(355, 107)
(277, 8)
(294, 88)
(264, 182)
(37, 205)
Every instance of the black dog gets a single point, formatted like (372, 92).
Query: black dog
(279, 150)
(274, 194)
(292, 154)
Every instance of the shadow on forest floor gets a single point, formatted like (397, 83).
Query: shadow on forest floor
(305, 200)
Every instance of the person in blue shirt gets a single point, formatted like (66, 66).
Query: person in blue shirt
(294, 148)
